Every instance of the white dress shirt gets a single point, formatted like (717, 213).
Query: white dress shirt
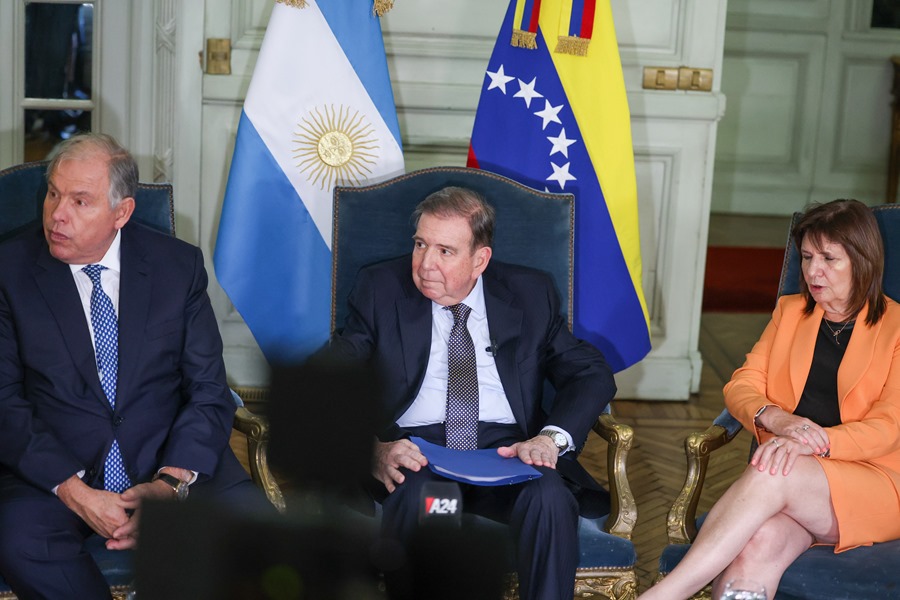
(430, 406)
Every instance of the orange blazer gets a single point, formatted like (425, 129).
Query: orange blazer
(776, 369)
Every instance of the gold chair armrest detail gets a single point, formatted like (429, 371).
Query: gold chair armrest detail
(256, 429)
(623, 508)
(681, 523)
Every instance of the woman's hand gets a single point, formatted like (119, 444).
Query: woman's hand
(779, 453)
(800, 429)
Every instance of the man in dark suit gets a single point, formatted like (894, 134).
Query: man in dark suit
(112, 383)
(405, 320)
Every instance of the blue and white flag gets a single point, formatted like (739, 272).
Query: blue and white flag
(319, 112)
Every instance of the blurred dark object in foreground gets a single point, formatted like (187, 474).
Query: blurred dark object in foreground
(323, 418)
(198, 551)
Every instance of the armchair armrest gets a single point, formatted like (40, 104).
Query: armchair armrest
(681, 523)
(256, 429)
(623, 508)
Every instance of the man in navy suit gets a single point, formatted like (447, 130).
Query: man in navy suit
(164, 417)
(397, 319)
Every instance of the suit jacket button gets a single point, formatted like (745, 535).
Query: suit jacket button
(118, 421)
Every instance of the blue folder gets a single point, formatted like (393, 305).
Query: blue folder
(477, 467)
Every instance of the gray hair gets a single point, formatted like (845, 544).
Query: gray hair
(123, 169)
(461, 202)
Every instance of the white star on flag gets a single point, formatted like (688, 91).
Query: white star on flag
(561, 143)
(561, 175)
(526, 91)
(499, 79)
(549, 114)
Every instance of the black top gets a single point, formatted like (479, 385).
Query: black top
(819, 401)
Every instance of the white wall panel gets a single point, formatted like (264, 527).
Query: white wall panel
(768, 137)
(649, 39)
(808, 84)
(779, 9)
(861, 138)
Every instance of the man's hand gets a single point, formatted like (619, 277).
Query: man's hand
(125, 537)
(539, 451)
(103, 511)
(388, 457)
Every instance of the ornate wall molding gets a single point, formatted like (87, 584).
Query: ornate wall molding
(164, 89)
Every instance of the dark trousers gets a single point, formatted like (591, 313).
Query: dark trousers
(42, 553)
(542, 515)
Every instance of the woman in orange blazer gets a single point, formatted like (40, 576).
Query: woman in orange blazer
(821, 391)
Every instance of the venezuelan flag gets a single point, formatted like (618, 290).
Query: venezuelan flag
(553, 115)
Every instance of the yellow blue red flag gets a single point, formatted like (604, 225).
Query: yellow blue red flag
(553, 115)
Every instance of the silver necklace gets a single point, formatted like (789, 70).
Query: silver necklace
(839, 331)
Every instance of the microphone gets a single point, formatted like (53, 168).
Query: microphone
(492, 349)
(440, 504)
(448, 560)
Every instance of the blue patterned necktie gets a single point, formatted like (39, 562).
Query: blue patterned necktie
(462, 384)
(106, 343)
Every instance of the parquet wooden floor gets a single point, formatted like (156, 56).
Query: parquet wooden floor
(656, 466)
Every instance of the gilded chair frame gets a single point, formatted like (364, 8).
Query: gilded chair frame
(590, 582)
(681, 521)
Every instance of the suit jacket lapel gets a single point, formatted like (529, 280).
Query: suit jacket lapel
(857, 357)
(414, 318)
(859, 354)
(802, 351)
(134, 306)
(54, 280)
(505, 325)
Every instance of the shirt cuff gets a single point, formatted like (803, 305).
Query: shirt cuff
(56, 487)
(193, 473)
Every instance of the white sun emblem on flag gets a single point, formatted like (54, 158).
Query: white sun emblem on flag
(335, 146)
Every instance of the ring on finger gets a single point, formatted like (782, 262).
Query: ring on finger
(805, 427)
(775, 441)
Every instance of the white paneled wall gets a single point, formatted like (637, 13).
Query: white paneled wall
(808, 86)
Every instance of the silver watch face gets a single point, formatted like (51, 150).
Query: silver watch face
(558, 438)
(181, 492)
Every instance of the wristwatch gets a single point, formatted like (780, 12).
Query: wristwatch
(558, 437)
(181, 488)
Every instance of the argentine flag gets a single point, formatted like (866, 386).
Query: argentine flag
(319, 112)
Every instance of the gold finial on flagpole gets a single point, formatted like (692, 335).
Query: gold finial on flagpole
(294, 3)
(574, 45)
(382, 6)
(523, 39)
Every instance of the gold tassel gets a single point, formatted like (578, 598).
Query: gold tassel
(523, 39)
(294, 3)
(382, 6)
(570, 44)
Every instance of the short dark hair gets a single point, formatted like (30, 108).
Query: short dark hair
(461, 202)
(851, 224)
(123, 169)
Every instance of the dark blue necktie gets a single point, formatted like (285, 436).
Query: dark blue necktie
(462, 384)
(106, 344)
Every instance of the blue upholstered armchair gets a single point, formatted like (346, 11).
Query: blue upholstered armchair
(533, 228)
(865, 572)
(22, 191)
